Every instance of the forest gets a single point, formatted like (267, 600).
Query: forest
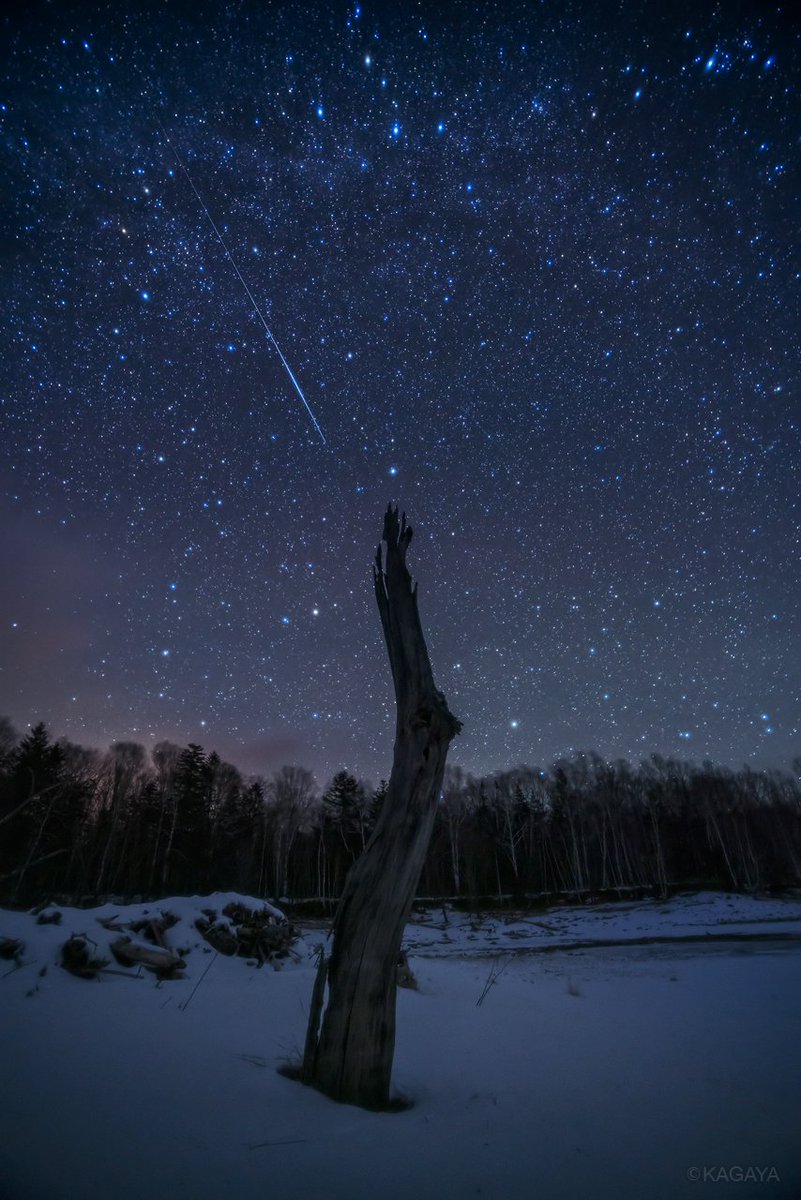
(79, 824)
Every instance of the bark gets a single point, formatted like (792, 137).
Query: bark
(352, 1059)
(315, 1009)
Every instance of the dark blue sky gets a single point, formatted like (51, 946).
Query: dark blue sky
(536, 269)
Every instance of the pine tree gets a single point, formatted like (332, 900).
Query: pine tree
(376, 803)
(193, 794)
(345, 808)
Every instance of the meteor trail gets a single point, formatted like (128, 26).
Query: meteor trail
(241, 279)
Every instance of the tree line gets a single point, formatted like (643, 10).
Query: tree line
(80, 824)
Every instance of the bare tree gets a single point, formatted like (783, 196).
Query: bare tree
(290, 799)
(351, 1059)
(8, 740)
(165, 757)
(454, 815)
(126, 766)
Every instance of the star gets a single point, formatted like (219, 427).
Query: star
(550, 311)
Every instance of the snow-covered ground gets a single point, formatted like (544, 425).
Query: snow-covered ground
(617, 1071)
(702, 915)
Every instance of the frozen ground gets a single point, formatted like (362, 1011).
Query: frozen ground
(609, 1071)
(700, 916)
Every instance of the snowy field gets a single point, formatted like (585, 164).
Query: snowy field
(626, 1068)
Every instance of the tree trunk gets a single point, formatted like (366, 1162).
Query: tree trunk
(352, 1058)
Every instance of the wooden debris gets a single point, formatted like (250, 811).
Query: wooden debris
(218, 935)
(161, 962)
(78, 959)
(111, 923)
(155, 928)
(257, 934)
(49, 918)
(11, 947)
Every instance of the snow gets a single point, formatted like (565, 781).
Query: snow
(608, 1071)
(699, 915)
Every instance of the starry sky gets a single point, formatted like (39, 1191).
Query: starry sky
(535, 268)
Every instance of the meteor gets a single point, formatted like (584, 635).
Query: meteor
(242, 280)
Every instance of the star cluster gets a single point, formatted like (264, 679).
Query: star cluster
(536, 269)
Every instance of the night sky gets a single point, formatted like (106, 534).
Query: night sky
(536, 270)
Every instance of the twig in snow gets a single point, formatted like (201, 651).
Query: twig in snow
(255, 1059)
(186, 1003)
(493, 977)
(280, 1142)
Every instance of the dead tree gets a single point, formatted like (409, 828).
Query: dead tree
(350, 1058)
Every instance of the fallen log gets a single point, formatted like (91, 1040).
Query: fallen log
(111, 923)
(155, 928)
(163, 963)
